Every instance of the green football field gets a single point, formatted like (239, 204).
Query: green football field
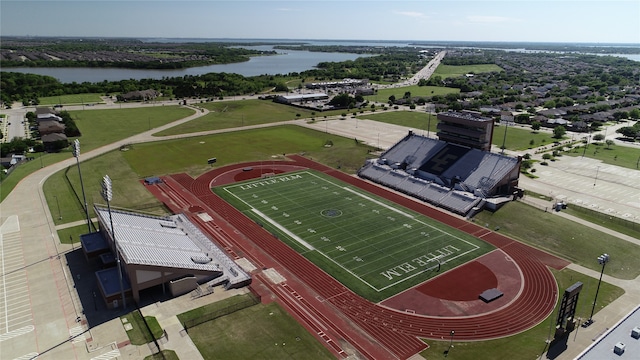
(375, 247)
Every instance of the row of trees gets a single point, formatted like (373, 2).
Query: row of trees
(120, 53)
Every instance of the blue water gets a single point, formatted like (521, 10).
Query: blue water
(283, 63)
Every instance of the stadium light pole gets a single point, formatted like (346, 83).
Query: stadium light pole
(602, 260)
(504, 139)
(107, 195)
(446, 353)
(428, 108)
(76, 154)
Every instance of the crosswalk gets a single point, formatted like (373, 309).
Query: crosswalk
(29, 356)
(77, 334)
(108, 356)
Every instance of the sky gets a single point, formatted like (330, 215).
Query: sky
(574, 21)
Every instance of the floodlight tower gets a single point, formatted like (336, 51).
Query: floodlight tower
(76, 154)
(107, 195)
(602, 260)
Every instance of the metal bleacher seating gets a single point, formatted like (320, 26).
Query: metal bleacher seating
(461, 179)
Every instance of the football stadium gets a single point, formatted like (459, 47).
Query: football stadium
(376, 262)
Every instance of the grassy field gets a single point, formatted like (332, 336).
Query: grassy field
(570, 240)
(230, 114)
(63, 189)
(521, 138)
(330, 223)
(139, 334)
(416, 91)
(190, 155)
(625, 156)
(263, 331)
(531, 343)
(518, 138)
(163, 355)
(72, 234)
(99, 128)
(416, 120)
(446, 71)
(126, 168)
(72, 99)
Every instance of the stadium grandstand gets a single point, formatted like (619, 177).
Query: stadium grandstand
(450, 175)
(169, 251)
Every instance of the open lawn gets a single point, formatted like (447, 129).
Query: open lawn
(139, 334)
(263, 331)
(518, 137)
(99, 128)
(163, 355)
(521, 138)
(190, 155)
(565, 238)
(530, 344)
(625, 156)
(416, 120)
(446, 71)
(72, 99)
(71, 235)
(63, 189)
(416, 91)
(332, 224)
(231, 114)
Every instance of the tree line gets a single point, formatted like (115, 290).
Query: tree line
(28, 88)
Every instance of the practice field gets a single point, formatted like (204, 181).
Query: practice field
(374, 247)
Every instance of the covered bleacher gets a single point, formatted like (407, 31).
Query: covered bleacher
(450, 176)
(169, 251)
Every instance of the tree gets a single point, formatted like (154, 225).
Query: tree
(598, 137)
(609, 142)
(342, 100)
(535, 126)
(559, 131)
(631, 132)
(634, 114)
(392, 99)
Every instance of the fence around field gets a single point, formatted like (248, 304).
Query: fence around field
(252, 300)
(629, 224)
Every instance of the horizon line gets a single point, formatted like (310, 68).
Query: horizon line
(317, 39)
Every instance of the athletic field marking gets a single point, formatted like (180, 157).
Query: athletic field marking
(397, 273)
(283, 229)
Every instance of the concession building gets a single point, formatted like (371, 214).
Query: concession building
(170, 252)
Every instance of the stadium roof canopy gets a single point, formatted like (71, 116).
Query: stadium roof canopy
(162, 241)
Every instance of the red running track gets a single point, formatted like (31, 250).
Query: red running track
(398, 331)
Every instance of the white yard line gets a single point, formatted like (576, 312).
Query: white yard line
(283, 229)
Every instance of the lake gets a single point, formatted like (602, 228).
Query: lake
(286, 61)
